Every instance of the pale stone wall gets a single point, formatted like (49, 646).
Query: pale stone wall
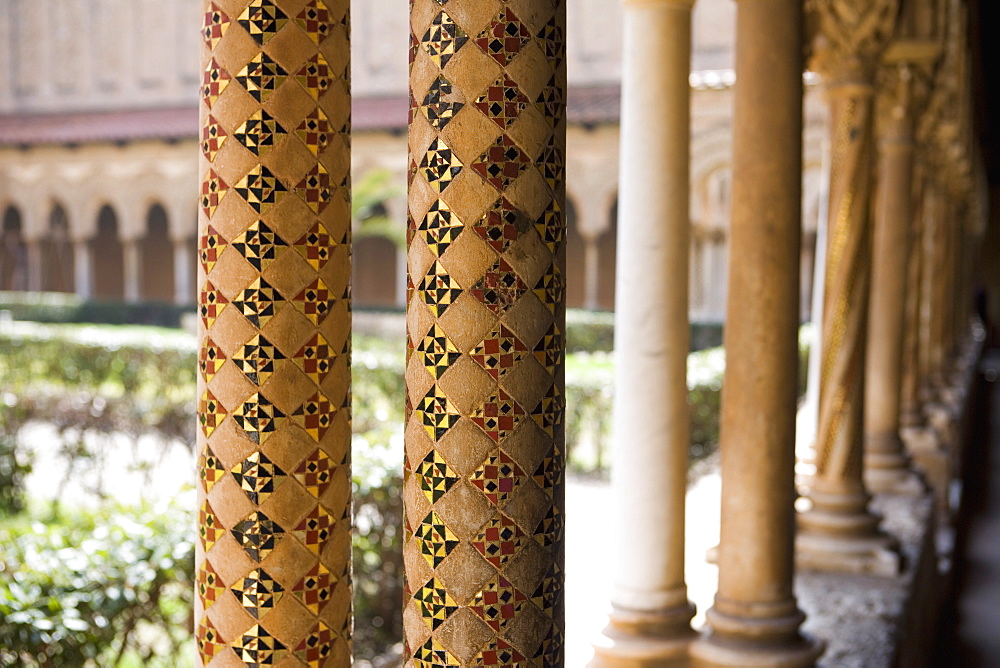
(128, 54)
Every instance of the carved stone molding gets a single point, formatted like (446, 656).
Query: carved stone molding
(848, 36)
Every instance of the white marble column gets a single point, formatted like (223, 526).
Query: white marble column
(83, 279)
(33, 256)
(650, 617)
(183, 272)
(132, 269)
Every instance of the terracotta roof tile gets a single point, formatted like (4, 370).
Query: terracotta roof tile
(585, 106)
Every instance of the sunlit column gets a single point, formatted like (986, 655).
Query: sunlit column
(485, 451)
(33, 256)
(273, 556)
(911, 415)
(755, 620)
(183, 272)
(132, 270)
(651, 614)
(838, 532)
(886, 465)
(83, 270)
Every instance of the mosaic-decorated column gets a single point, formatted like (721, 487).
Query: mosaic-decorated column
(483, 492)
(755, 620)
(650, 617)
(273, 557)
(839, 532)
(886, 464)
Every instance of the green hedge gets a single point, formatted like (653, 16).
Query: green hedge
(61, 307)
(585, 330)
(140, 381)
(594, 331)
(111, 587)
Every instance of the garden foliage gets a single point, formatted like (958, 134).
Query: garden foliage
(112, 585)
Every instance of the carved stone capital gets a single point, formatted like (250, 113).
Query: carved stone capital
(847, 37)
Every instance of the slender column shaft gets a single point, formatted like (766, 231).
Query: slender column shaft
(952, 283)
(950, 294)
(886, 465)
(33, 253)
(755, 619)
(591, 272)
(183, 288)
(938, 288)
(131, 267)
(910, 413)
(838, 531)
(651, 415)
(483, 547)
(273, 558)
(839, 438)
(83, 279)
(929, 269)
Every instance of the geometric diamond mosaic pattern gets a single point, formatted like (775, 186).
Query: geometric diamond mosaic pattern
(486, 308)
(275, 126)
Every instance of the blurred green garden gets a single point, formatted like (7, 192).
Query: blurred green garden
(97, 504)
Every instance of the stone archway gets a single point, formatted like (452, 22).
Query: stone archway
(13, 254)
(57, 253)
(156, 271)
(109, 265)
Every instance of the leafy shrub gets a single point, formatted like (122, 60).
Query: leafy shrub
(59, 307)
(594, 331)
(105, 588)
(141, 381)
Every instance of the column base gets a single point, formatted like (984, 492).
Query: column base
(930, 454)
(710, 651)
(888, 469)
(748, 642)
(639, 639)
(903, 482)
(876, 554)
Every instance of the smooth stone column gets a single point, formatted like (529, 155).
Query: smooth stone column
(651, 614)
(83, 278)
(886, 464)
(755, 620)
(183, 272)
(911, 417)
(591, 271)
(838, 532)
(131, 263)
(33, 254)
